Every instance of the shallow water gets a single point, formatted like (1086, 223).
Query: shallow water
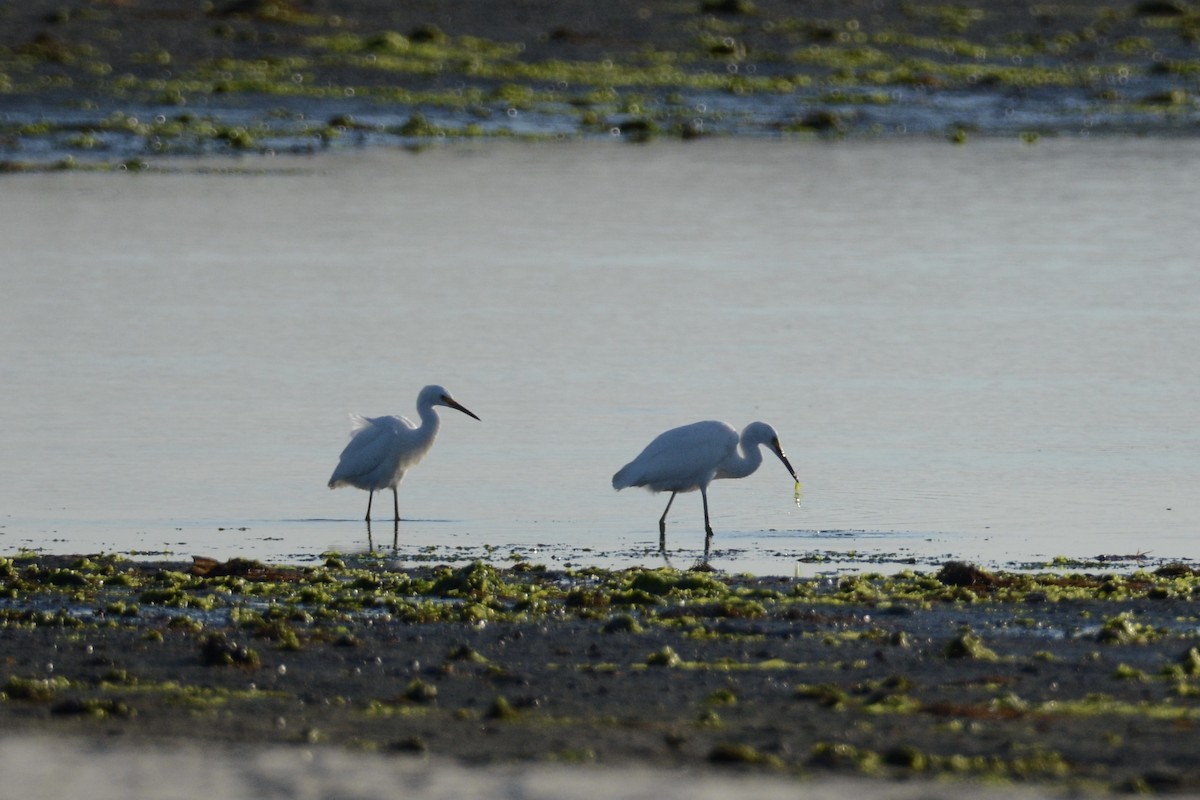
(983, 352)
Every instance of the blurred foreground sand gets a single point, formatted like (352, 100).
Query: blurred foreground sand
(71, 767)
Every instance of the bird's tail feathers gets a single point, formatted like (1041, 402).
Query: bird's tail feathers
(624, 478)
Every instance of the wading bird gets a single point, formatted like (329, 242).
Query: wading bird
(382, 449)
(691, 457)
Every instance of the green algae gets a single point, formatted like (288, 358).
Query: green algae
(218, 650)
(196, 696)
(826, 695)
(93, 707)
(419, 691)
(741, 754)
(970, 646)
(872, 698)
(1124, 672)
(1189, 662)
(641, 89)
(481, 592)
(39, 618)
(622, 623)
(384, 708)
(870, 663)
(34, 690)
(1035, 763)
(501, 709)
(722, 697)
(666, 657)
(1124, 629)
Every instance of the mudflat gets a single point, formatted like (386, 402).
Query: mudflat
(1075, 680)
(1081, 681)
(117, 81)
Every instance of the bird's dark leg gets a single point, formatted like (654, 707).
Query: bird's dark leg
(395, 535)
(370, 497)
(370, 544)
(707, 526)
(662, 526)
(395, 504)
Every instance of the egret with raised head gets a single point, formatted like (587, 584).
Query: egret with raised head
(693, 456)
(382, 449)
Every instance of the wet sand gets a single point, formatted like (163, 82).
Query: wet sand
(1086, 683)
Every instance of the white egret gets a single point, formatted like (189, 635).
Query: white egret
(382, 449)
(692, 456)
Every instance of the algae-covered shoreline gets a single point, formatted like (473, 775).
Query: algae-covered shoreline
(1077, 680)
(118, 82)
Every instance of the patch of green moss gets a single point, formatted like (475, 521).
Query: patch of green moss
(1124, 672)
(218, 650)
(844, 756)
(95, 707)
(1124, 629)
(825, 695)
(622, 623)
(739, 753)
(666, 657)
(419, 691)
(501, 709)
(969, 646)
(34, 690)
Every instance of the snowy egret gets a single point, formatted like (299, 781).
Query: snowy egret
(382, 449)
(692, 456)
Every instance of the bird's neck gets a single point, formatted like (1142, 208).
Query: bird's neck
(748, 460)
(429, 422)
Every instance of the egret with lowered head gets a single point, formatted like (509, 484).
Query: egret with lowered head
(382, 449)
(692, 456)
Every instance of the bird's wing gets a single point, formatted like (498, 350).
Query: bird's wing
(680, 459)
(370, 458)
(396, 423)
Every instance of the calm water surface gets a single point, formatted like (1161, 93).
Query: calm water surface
(985, 352)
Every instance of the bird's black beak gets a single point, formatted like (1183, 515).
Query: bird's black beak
(452, 403)
(778, 448)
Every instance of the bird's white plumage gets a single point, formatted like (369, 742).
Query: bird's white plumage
(692, 456)
(379, 452)
(682, 459)
(382, 449)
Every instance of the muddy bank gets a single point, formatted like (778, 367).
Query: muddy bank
(108, 81)
(1054, 680)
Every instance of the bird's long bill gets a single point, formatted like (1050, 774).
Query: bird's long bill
(450, 401)
(778, 448)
